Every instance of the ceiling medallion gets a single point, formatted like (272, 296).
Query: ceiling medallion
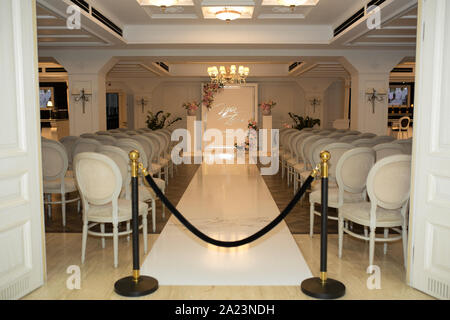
(292, 3)
(163, 4)
(228, 14)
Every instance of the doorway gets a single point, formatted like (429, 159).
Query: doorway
(112, 110)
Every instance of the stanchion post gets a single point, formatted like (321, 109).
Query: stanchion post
(135, 285)
(323, 287)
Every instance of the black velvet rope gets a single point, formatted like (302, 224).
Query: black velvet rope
(229, 244)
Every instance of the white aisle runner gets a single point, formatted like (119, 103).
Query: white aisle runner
(227, 202)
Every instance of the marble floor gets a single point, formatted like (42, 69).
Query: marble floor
(98, 274)
(227, 202)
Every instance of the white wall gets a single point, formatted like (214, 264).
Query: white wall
(333, 103)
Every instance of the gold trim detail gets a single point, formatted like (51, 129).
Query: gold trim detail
(134, 156)
(325, 156)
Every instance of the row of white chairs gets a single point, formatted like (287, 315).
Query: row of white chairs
(98, 187)
(372, 167)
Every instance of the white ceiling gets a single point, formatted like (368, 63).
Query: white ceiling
(326, 12)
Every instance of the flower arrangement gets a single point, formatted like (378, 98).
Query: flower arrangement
(301, 123)
(154, 121)
(191, 107)
(267, 107)
(252, 125)
(209, 90)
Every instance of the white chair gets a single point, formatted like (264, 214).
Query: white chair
(106, 140)
(102, 132)
(382, 139)
(146, 194)
(348, 190)
(406, 145)
(364, 143)
(85, 145)
(68, 143)
(100, 183)
(384, 150)
(165, 155)
(156, 167)
(348, 138)
(119, 135)
(366, 135)
(388, 187)
(306, 151)
(131, 132)
(87, 135)
(401, 127)
(55, 181)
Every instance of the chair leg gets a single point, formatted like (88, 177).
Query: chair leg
(386, 235)
(154, 215)
(49, 205)
(371, 246)
(63, 207)
(102, 230)
(366, 232)
(116, 244)
(405, 244)
(282, 169)
(128, 229)
(144, 230)
(163, 206)
(311, 219)
(295, 182)
(341, 234)
(79, 206)
(83, 241)
(166, 175)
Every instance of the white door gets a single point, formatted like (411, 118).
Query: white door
(21, 227)
(430, 207)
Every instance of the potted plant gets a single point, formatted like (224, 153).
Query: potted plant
(191, 107)
(301, 123)
(266, 107)
(159, 120)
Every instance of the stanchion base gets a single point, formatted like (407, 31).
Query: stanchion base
(331, 289)
(129, 288)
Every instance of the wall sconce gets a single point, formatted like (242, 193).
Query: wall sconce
(314, 102)
(143, 103)
(374, 95)
(82, 95)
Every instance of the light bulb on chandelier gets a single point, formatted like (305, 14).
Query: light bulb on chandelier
(232, 75)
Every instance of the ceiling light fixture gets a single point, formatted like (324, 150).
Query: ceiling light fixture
(292, 3)
(228, 14)
(163, 4)
(223, 76)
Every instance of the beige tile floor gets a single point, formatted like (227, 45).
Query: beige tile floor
(98, 274)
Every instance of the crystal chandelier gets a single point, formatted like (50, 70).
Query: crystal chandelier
(232, 75)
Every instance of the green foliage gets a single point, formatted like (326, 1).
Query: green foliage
(301, 123)
(159, 120)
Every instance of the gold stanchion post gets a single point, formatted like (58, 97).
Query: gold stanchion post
(323, 287)
(135, 285)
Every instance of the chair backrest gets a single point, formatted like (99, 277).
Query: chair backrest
(389, 182)
(352, 170)
(131, 132)
(384, 150)
(406, 145)
(366, 135)
(352, 132)
(306, 148)
(118, 135)
(114, 131)
(105, 133)
(298, 144)
(348, 138)
(336, 150)
(336, 135)
(324, 132)
(368, 143)
(85, 145)
(123, 129)
(129, 145)
(164, 140)
(68, 143)
(106, 140)
(147, 144)
(316, 148)
(404, 122)
(287, 139)
(157, 147)
(292, 141)
(122, 160)
(99, 180)
(54, 161)
(383, 139)
(87, 135)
